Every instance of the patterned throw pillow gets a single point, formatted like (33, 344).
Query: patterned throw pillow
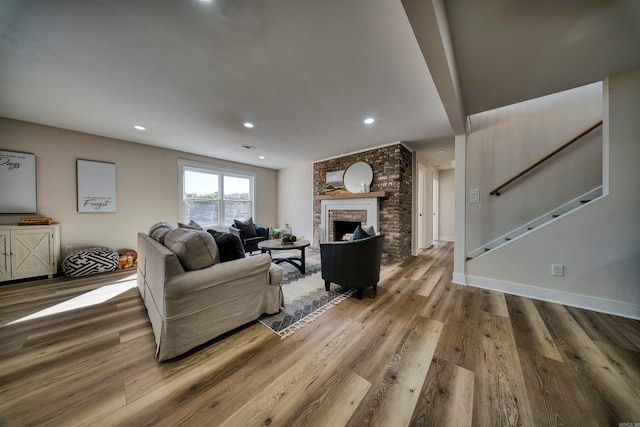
(90, 261)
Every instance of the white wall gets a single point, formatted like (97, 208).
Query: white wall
(505, 141)
(146, 180)
(295, 199)
(447, 204)
(599, 244)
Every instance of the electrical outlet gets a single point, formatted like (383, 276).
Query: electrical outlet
(557, 270)
(474, 195)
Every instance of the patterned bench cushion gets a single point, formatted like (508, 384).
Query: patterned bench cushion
(90, 261)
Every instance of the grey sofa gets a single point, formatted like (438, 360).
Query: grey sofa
(190, 307)
(352, 264)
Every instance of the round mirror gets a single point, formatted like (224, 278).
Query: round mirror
(358, 177)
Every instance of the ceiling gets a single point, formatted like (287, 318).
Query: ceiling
(508, 51)
(305, 72)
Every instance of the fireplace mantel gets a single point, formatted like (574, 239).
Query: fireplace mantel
(374, 195)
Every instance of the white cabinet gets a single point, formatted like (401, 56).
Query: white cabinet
(29, 251)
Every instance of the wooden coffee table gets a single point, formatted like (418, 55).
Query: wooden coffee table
(277, 245)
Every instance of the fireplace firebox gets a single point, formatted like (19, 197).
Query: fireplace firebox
(343, 229)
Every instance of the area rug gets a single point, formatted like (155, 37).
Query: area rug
(305, 299)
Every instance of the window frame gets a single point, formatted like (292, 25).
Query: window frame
(221, 171)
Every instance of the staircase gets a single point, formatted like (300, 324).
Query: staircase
(530, 226)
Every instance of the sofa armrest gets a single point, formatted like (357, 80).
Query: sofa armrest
(275, 274)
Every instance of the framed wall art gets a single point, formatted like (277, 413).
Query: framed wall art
(17, 182)
(96, 186)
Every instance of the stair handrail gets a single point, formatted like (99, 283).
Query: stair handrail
(496, 191)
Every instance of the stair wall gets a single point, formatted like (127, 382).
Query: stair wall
(505, 141)
(599, 244)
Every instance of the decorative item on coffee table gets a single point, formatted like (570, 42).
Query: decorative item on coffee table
(285, 232)
(275, 245)
(274, 233)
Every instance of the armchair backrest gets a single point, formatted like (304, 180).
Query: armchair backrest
(250, 244)
(261, 231)
(353, 264)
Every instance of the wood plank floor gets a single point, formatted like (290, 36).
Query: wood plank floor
(422, 351)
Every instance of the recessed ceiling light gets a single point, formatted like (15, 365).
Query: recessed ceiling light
(140, 127)
(261, 157)
(441, 151)
(248, 125)
(369, 120)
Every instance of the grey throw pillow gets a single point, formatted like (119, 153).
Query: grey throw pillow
(371, 231)
(158, 231)
(359, 233)
(192, 225)
(196, 249)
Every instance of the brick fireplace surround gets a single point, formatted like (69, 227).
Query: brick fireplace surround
(392, 167)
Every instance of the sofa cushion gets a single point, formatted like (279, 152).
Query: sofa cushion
(371, 231)
(247, 228)
(359, 233)
(196, 249)
(229, 245)
(159, 230)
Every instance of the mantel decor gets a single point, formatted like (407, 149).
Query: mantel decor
(358, 177)
(96, 186)
(331, 196)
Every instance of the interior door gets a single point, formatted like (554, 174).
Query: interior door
(421, 210)
(436, 206)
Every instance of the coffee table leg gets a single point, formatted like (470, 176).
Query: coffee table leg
(302, 269)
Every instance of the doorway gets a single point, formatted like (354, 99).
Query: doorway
(422, 176)
(436, 206)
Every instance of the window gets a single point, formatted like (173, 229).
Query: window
(212, 195)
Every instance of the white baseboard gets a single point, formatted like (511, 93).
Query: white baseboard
(446, 238)
(459, 279)
(618, 308)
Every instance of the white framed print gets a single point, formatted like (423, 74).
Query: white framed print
(17, 182)
(96, 186)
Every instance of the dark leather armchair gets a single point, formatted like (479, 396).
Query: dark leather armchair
(353, 264)
(250, 244)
